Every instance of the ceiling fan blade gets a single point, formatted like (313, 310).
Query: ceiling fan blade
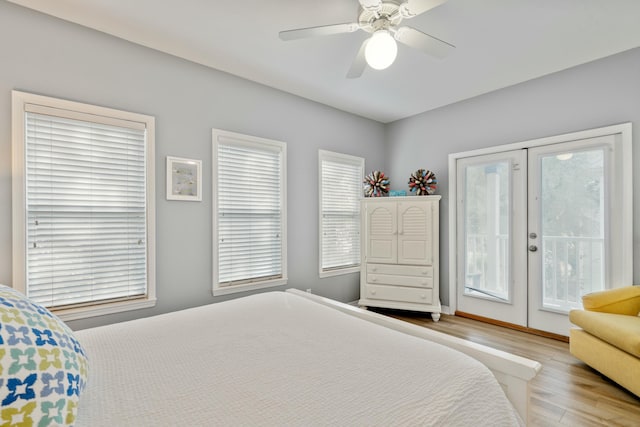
(325, 30)
(424, 42)
(359, 63)
(413, 8)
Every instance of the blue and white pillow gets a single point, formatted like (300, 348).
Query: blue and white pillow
(43, 367)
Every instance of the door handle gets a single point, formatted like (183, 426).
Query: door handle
(533, 248)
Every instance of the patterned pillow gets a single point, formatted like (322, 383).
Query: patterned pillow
(43, 368)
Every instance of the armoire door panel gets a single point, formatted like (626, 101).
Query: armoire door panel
(382, 249)
(414, 233)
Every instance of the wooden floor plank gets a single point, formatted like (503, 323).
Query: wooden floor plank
(565, 393)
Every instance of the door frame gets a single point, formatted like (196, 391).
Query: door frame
(626, 243)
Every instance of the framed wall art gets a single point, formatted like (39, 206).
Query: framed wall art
(184, 179)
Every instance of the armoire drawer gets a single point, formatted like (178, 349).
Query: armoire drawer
(411, 281)
(399, 293)
(404, 270)
(400, 275)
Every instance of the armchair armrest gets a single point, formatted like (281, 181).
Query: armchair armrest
(618, 301)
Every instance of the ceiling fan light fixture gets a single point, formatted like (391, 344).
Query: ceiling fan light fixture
(381, 50)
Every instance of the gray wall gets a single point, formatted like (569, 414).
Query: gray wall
(47, 56)
(596, 94)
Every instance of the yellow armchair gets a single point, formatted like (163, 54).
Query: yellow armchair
(608, 334)
(619, 301)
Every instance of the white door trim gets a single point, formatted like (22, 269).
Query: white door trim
(623, 129)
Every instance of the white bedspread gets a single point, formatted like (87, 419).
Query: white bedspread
(276, 359)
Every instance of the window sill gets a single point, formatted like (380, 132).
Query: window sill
(103, 309)
(226, 290)
(338, 272)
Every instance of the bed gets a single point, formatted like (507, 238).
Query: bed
(293, 358)
(277, 358)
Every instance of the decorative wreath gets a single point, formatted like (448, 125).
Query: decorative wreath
(423, 182)
(376, 184)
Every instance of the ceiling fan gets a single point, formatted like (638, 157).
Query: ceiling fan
(381, 18)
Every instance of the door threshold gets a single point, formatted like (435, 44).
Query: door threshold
(531, 331)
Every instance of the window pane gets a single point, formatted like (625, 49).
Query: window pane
(341, 191)
(86, 211)
(249, 212)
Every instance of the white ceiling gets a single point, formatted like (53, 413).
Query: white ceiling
(498, 43)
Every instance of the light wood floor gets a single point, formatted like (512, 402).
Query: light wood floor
(565, 393)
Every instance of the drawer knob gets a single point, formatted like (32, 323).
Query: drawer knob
(423, 296)
(373, 292)
(425, 272)
(374, 269)
(424, 282)
(374, 279)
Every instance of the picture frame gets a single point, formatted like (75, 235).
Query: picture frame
(184, 179)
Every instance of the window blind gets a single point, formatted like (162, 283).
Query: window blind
(341, 191)
(250, 212)
(86, 208)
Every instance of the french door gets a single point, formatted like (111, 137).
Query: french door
(491, 208)
(539, 227)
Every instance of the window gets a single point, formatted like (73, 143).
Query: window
(340, 193)
(249, 205)
(83, 206)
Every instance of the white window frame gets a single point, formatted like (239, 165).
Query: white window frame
(348, 160)
(219, 135)
(20, 102)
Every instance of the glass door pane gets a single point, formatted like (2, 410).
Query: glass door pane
(572, 196)
(487, 197)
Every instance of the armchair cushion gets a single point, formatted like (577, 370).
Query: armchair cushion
(624, 300)
(619, 330)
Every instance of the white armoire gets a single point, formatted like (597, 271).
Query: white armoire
(400, 253)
